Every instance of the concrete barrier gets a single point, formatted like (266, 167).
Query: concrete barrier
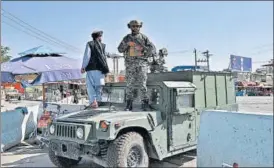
(29, 123)
(11, 130)
(17, 125)
(226, 138)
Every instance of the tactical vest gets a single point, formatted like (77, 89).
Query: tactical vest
(137, 50)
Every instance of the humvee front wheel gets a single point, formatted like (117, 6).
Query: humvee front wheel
(61, 161)
(128, 150)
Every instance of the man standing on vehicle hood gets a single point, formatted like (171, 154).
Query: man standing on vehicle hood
(96, 67)
(137, 48)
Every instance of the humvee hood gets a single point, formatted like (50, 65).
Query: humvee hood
(104, 114)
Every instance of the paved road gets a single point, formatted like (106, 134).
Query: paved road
(31, 156)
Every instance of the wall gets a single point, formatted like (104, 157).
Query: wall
(229, 137)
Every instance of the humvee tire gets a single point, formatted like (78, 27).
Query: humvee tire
(128, 150)
(61, 161)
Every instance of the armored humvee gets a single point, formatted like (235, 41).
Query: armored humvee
(112, 137)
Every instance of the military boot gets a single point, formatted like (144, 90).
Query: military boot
(145, 105)
(129, 105)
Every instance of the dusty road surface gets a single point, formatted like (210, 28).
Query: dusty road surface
(31, 156)
(255, 104)
(6, 106)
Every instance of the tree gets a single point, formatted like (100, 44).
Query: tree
(5, 54)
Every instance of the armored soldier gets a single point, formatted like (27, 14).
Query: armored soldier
(137, 48)
(157, 65)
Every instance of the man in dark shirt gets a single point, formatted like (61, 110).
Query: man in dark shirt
(96, 67)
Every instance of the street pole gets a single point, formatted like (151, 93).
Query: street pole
(115, 58)
(195, 54)
(207, 55)
(114, 69)
(207, 59)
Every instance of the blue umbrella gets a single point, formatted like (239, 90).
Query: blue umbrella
(49, 65)
(40, 50)
(16, 67)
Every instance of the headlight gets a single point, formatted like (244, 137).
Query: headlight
(104, 125)
(80, 133)
(51, 129)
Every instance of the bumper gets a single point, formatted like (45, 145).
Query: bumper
(74, 150)
(66, 149)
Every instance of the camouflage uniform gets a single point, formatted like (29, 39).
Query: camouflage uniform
(158, 64)
(136, 62)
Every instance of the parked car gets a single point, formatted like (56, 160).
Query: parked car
(12, 94)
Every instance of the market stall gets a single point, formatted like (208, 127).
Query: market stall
(244, 88)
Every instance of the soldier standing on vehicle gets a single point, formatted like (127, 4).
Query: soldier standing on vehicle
(137, 48)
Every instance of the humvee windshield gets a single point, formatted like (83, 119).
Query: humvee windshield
(113, 95)
(118, 95)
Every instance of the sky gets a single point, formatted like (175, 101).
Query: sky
(239, 28)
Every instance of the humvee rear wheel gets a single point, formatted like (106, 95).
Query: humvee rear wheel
(61, 161)
(128, 150)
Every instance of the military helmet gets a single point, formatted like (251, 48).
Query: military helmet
(163, 51)
(134, 22)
